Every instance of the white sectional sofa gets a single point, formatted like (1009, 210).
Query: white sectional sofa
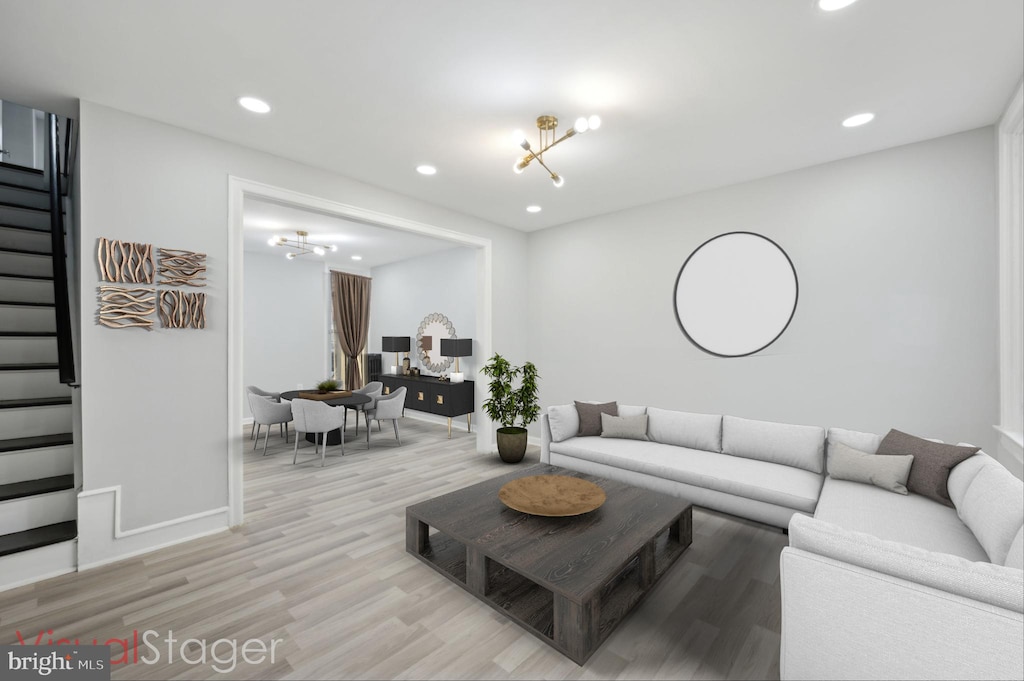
(752, 469)
(885, 586)
(875, 585)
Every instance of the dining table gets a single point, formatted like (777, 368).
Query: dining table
(334, 437)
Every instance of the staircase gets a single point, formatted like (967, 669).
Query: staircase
(38, 496)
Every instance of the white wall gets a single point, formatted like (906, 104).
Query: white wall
(896, 325)
(285, 338)
(405, 292)
(155, 405)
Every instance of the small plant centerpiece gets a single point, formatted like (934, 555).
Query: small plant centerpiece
(330, 385)
(507, 404)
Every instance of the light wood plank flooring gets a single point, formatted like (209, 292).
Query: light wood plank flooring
(321, 564)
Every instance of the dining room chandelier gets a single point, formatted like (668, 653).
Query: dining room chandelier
(547, 127)
(302, 245)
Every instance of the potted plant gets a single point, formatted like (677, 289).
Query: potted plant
(330, 385)
(508, 403)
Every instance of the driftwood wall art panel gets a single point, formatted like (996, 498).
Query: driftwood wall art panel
(182, 268)
(182, 310)
(125, 261)
(122, 308)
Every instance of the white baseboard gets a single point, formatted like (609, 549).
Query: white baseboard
(101, 539)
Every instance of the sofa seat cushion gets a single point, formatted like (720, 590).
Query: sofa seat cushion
(912, 519)
(758, 480)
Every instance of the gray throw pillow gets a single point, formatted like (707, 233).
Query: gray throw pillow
(933, 461)
(590, 416)
(624, 427)
(887, 472)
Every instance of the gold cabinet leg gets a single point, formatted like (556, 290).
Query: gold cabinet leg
(469, 422)
(449, 427)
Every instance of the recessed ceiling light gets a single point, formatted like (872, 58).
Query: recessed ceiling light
(254, 104)
(859, 119)
(357, 257)
(533, 209)
(426, 170)
(833, 5)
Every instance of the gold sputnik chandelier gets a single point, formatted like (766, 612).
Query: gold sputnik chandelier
(547, 127)
(302, 245)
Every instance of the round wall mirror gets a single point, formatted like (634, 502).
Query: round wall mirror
(736, 294)
(432, 329)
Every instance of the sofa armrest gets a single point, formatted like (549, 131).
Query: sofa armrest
(843, 621)
(993, 584)
(545, 439)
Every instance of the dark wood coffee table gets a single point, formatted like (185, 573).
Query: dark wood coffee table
(568, 581)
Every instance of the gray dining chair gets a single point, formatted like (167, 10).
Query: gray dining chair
(386, 409)
(253, 390)
(267, 412)
(373, 389)
(317, 418)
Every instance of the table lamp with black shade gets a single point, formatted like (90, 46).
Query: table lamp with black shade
(457, 347)
(395, 344)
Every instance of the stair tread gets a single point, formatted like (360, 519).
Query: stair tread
(36, 442)
(25, 303)
(35, 277)
(23, 251)
(38, 537)
(21, 169)
(31, 366)
(28, 189)
(28, 334)
(20, 206)
(35, 402)
(25, 228)
(30, 488)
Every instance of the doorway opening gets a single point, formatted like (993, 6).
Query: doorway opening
(279, 208)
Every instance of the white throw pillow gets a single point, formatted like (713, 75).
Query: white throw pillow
(624, 427)
(564, 421)
(888, 472)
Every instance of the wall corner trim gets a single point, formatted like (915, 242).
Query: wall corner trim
(102, 540)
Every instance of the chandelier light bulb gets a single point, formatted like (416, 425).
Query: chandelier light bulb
(334, 248)
(272, 241)
(548, 139)
(319, 250)
(519, 137)
(290, 256)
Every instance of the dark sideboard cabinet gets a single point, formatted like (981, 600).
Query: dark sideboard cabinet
(428, 394)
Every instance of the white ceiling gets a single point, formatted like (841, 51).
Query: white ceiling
(377, 245)
(694, 94)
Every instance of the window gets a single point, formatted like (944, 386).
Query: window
(1011, 275)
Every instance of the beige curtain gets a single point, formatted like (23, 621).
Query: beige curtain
(350, 295)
